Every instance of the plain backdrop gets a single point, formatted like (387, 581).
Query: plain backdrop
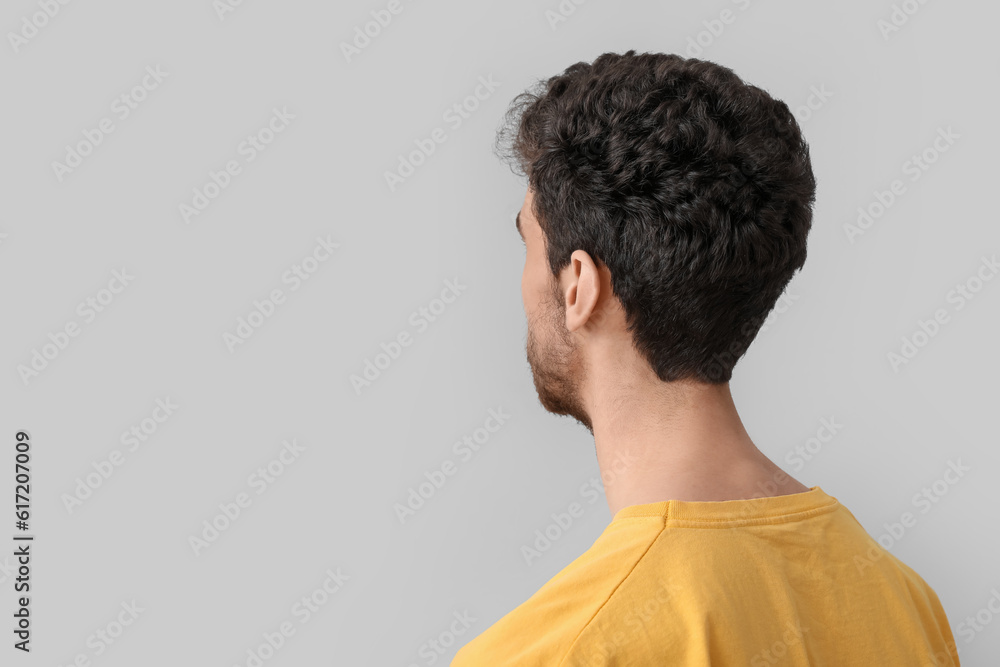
(874, 86)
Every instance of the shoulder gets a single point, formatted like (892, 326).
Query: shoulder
(544, 629)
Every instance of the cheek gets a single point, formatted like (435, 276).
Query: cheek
(527, 295)
(524, 285)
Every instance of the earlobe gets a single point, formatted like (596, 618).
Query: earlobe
(584, 290)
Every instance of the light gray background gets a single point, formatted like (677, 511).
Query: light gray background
(824, 357)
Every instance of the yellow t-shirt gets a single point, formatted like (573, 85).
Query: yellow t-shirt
(786, 581)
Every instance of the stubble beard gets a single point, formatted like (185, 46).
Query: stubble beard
(556, 368)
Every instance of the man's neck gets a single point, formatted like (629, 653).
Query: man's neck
(677, 441)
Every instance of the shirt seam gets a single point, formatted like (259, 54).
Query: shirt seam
(617, 588)
(755, 521)
(777, 518)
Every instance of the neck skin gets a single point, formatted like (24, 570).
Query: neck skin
(655, 440)
(670, 441)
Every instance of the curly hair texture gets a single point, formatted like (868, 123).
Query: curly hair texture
(692, 187)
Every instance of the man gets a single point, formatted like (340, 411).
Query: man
(667, 207)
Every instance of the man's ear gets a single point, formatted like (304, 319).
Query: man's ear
(581, 289)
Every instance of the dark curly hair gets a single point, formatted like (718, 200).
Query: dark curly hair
(691, 186)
